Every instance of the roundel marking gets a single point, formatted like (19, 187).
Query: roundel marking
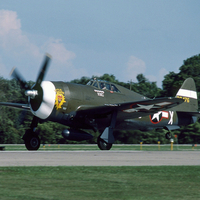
(157, 117)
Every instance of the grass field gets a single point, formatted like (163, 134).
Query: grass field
(61, 183)
(52, 183)
(79, 147)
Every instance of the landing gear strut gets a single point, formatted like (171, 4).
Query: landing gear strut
(31, 139)
(106, 139)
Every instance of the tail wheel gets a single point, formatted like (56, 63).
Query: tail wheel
(32, 142)
(103, 145)
(168, 135)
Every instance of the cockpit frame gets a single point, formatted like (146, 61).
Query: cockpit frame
(103, 85)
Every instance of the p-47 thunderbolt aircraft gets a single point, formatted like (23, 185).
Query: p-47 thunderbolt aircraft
(101, 106)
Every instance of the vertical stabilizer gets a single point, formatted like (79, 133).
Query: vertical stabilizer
(188, 93)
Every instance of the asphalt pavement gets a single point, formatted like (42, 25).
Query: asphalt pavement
(99, 158)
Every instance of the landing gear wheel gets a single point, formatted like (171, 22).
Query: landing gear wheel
(168, 135)
(103, 145)
(32, 141)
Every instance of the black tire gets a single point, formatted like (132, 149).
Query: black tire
(32, 142)
(103, 145)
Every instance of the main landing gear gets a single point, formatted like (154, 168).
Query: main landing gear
(31, 140)
(103, 145)
(106, 139)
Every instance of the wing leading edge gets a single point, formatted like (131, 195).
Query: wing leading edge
(16, 105)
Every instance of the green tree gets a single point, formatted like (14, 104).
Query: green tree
(173, 81)
(84, 80)
(145, 87)
(14, 123)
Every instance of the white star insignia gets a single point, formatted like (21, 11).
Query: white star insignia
(156, 116)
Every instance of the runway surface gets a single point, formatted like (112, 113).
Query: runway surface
(99, 158)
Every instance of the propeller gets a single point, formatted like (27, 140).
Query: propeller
(15, 74)
(37, 97)
(23, 83)
(43, 69)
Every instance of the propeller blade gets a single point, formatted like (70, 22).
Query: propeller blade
(15, 74)
(43, 69)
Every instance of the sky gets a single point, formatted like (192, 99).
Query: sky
(94, 37)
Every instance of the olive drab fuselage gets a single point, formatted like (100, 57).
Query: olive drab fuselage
(70, 96)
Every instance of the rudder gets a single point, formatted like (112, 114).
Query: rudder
(188, 93)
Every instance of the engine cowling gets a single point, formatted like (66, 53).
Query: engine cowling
(76, 135)
(43, 102)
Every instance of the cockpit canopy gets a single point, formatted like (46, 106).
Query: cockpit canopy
(103, 85)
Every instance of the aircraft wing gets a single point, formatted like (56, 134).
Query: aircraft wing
(16, 105)
(135, 109)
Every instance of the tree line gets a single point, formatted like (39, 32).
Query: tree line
(14, 122)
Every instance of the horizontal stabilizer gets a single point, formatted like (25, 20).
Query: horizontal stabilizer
(195, 114)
